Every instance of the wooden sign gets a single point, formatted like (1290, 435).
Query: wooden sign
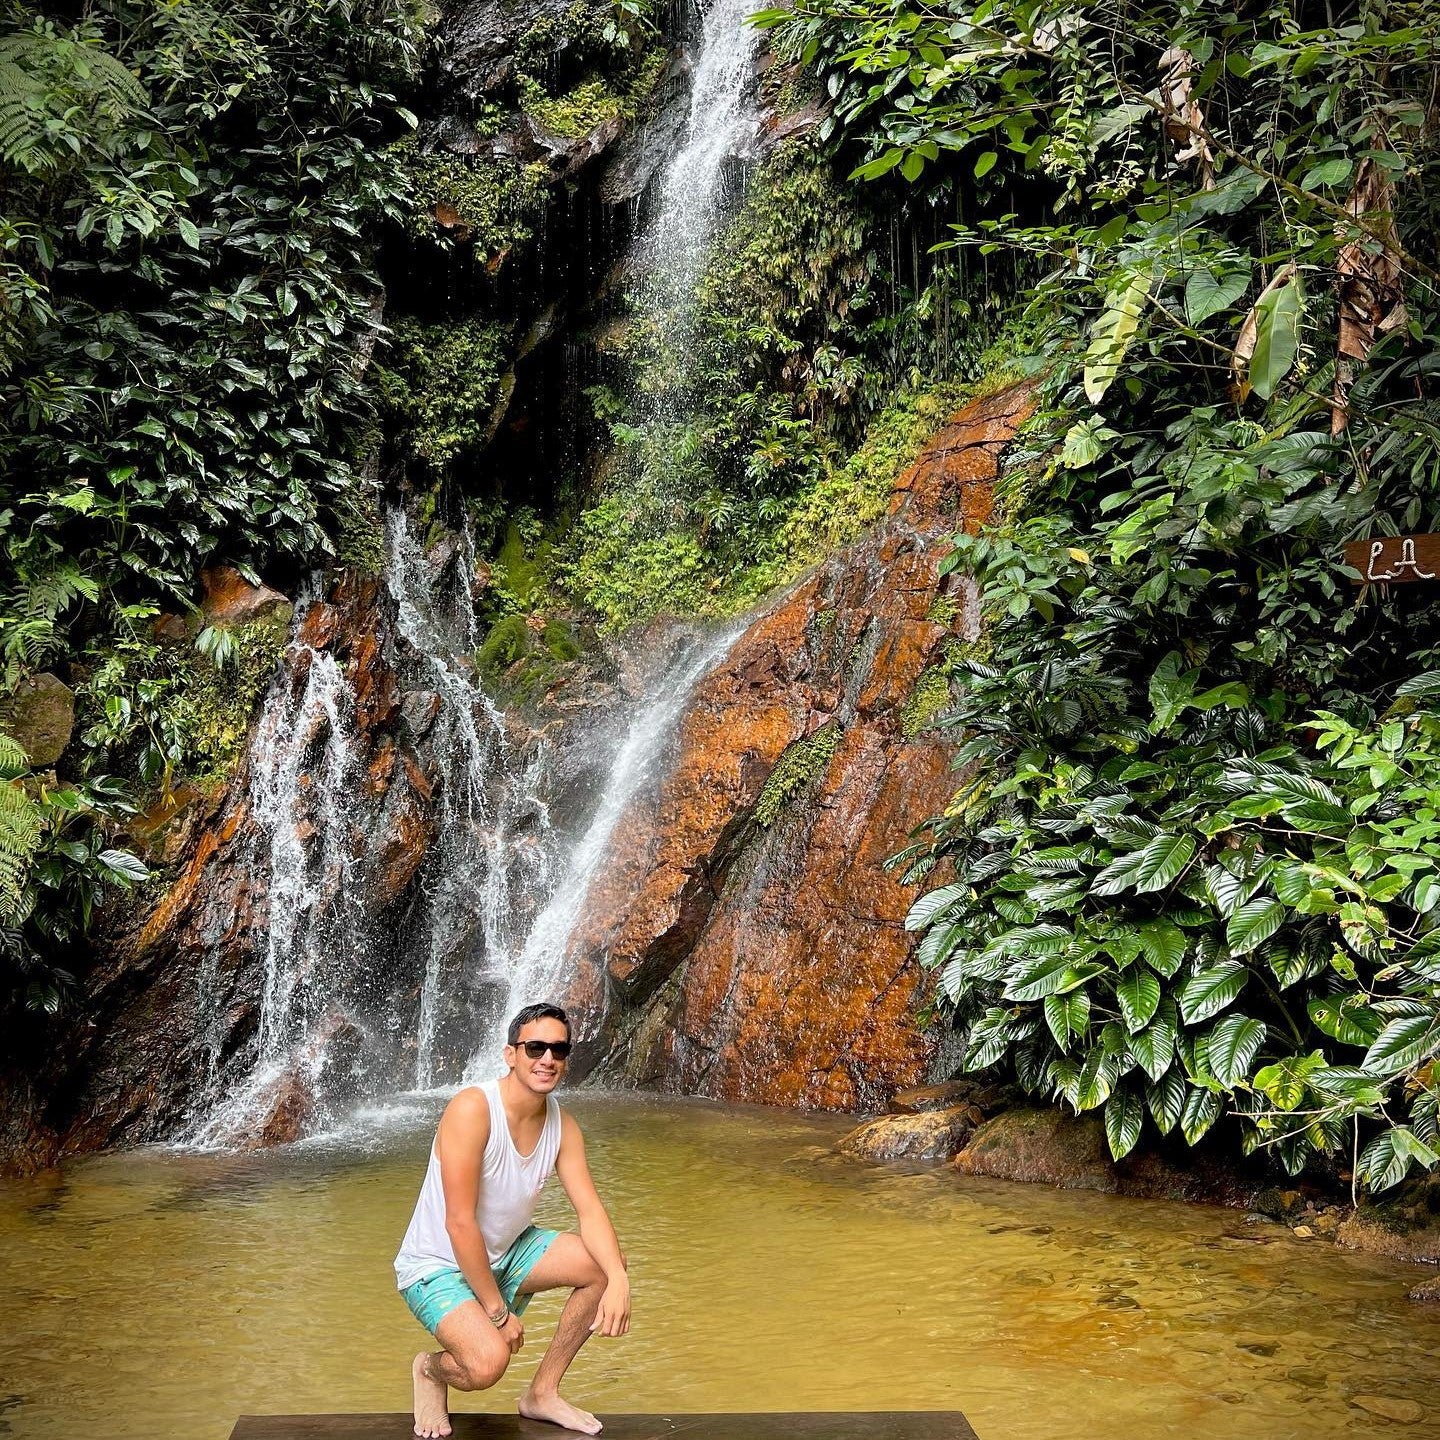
(1395, 559)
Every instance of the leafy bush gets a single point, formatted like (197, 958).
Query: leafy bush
(1194, 858)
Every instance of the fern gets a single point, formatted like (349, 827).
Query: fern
(42, 74)
(20, 831)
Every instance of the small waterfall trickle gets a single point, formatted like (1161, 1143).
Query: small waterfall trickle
(537, 973)
(302, 786)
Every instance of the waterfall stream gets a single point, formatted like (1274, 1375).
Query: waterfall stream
(693, 197)
(501, 887)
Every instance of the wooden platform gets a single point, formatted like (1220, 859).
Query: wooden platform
(811, 1425)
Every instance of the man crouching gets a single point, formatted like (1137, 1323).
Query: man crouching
(471, 1259)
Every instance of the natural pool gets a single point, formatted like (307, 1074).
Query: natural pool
(159, 1295)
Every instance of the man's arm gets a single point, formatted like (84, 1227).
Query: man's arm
(460, 1144)
(613, 1317)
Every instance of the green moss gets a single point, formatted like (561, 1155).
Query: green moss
(507, 640)
(929, 698)
(212, 705)
(487, 203)
(360, 538)
(560, 641)
(441, 386)
(943, 610)
(516, 577)
(799, 763)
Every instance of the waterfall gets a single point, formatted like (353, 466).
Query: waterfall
(487, 920)
(537, 973)
(302, 786)
(724, 117)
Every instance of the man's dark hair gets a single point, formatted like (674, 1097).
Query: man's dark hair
(541, 1011)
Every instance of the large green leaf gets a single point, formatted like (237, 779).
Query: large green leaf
(1138, 992)
(1164, 946)
(1231, 1048)
(929, 906)
(1207, 293)
(1124, 1115)
(1253, 924)
(1166, 1099)
(1154, 1046)
(1209, 992)
(1067, 1016)
(1114, 332)
(1162, 860)
(1037, 978)
(1277, 336)
(1097, 1078)
(1285, 1082)
(1386, 1160)
(1403, 1044)
(1202, 1110)
(1346, 1018)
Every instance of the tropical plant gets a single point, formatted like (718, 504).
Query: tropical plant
(1192, 848)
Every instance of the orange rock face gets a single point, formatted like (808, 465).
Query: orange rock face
(746, 941)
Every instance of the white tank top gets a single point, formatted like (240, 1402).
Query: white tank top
(510, 1185)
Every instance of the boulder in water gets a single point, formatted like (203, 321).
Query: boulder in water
(1053, 1147)
(924, 1135)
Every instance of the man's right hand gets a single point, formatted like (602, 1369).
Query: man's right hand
(512, 1332)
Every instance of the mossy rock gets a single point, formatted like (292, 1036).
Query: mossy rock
(800, 762)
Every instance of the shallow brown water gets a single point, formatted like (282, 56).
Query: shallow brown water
(160, 1295)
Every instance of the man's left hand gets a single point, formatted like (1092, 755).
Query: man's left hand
(613, 1316)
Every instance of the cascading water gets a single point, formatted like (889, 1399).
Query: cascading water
(500, 890)
(537, 973)
(491, 862)
(302, 784)
(693, 197)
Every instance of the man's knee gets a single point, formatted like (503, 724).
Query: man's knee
(480, 1372)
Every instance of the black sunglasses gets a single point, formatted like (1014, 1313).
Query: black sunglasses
(560, 1049)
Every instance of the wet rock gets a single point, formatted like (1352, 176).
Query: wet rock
(286, 1116)
(230, 599)
(1403, 1412)
(40, 717)
(1053, 1147)
(927, 1135)
(1426, 1293)
(418, 708)
(482, 38)
(745, 931)
(645, 149)
(1403, 1226)
(983, 1095)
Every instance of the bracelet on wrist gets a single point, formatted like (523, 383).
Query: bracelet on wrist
(500, 1319)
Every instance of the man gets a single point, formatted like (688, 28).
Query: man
(471, 1259)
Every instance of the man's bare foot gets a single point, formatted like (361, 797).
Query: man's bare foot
(557, 1412)
(432, 1413)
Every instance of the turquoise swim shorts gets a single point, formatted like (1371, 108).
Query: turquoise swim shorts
(433, 1298)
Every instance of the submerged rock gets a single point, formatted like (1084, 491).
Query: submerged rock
(1053, 1147)
(1390, 1407)
(926, 1135)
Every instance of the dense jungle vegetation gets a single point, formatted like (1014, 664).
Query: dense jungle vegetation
(1192, 877)
(1197, 853)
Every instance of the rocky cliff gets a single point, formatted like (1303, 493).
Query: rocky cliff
(746, 940)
